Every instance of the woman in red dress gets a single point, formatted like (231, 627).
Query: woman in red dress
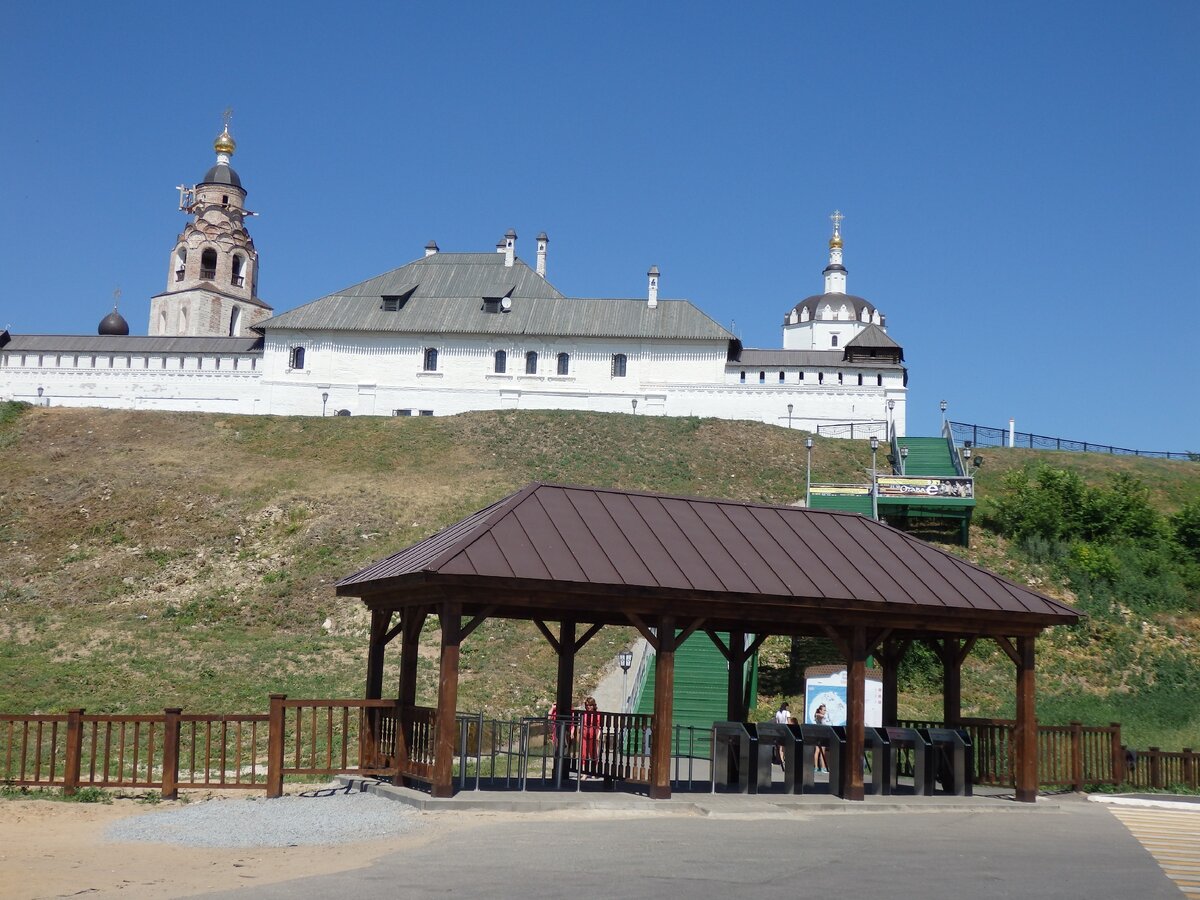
(589, 724)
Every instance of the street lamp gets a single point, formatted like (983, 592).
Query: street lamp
(625, 660)
(891, 405)
(635, 406)
(789, 416)
(903, 459)
(808, 473)
(942, 407)
(324, 400)
(874, 476)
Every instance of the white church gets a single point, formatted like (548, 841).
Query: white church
(451, 332)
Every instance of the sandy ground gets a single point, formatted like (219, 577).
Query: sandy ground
(51, 849)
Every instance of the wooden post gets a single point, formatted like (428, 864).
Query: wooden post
(1119, 772)
(564, 694)
(1077, 756)
(170, 771)
(1155, 767)
(1025, 729)
(450, 615)
(275, 746)
(74, 756)
(951, 682)
(735, 703)
(410, 647)
(379, 626)
(1189, 767)
(664, 701)
(856, 710)
(891, 655)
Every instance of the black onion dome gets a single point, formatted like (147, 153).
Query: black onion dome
(222, 173)
(113, 324)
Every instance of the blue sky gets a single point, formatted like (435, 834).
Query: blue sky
(1019, 180)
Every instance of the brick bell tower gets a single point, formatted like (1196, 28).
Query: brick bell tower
(212, 280)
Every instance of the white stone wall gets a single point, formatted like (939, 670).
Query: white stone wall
(229, 383)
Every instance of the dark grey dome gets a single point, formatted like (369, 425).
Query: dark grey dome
(854, 307)
(222, 173)
(113, 324)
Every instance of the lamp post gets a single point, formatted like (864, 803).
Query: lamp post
(903, 460)
(625, 660)
(891, 406)
(874, 476)
(324, 400)
(942, 407)
(808, 473)
(789, 416)
(40, 390)
(634, 401)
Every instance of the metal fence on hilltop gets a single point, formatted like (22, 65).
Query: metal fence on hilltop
(986, 436)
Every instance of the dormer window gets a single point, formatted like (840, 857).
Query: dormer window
(391, 304)
(491, 304)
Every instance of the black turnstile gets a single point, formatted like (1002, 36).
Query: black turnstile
(877, 752)
(922, 756)
(770, 736)
(834, 741)
(735, 752)
(953, 759)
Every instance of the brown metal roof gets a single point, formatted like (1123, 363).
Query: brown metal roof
(771, 561)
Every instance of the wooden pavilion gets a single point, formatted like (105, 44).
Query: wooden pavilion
(669, 566)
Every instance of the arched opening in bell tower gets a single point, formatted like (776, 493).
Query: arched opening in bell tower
(208, 264)
(237, 279)
(180, 262)
(235, 322)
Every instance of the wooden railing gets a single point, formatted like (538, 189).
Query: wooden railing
(1157, 769)
(611, 745)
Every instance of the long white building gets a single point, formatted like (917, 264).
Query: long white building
(452, 332)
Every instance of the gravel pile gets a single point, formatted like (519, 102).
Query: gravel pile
(333, 818)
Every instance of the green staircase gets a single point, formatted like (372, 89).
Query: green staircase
(701, 684)
(927, 456)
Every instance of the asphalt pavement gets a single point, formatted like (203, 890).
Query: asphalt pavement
(1065, 847)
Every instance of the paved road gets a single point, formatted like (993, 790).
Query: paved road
(1173, 837)
(1079, 850)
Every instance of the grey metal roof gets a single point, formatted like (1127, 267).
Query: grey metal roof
(222, 174)
(812, 358)
(84, 343)
(873, 336)
(625, 543)
(445, 294)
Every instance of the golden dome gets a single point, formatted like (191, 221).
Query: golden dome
(835, 242)
(225, 142)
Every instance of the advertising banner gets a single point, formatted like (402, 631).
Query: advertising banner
(829, 690)
(920, 486)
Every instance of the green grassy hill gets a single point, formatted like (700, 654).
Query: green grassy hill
(159, 559)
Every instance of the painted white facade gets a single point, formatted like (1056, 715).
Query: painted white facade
(367, 350)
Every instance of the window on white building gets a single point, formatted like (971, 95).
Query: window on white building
(781, 378)
(833, 340)
(762, 377)
(427, 412)
(619, 362)
(296, 358)
(531, 363)
(500, 362)
(741, 377)
(860, 379)
(879, 381)
(820, 378)
(564, 363)
(839, 377)
(431, 356)
(401, 412)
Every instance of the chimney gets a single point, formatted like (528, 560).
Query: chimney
(510, 248)
(652, 300)
(431, 248)
(500, 247)
(541, 259)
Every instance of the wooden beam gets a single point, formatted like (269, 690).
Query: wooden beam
(756, 643)
(587, 636)
(687, 632)
(664, 700)
(838, 640)
(1007, 646)
(442, 784)
(394, 630)
(965, 650)
(640, 625)
(465, 630)
(565, 684)
(951, 681)
(735, 694)
(1025, 730)
(718, 643)
(856, 709)
(891, 655)
(550, 638)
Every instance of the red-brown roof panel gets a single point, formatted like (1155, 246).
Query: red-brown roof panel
(678, 551)
(586, 537)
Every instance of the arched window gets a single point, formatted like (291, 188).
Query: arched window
(839, 377)
(833, 340)
(180, 262)
(531, 363)
(564, 363)
(208, 264)
(296, 358)
(162, 321)
(430, 359)
(820, 378)
(860, 379)
(235, 322)
(237, 277)
(879, 380)
(762, 377)
(618, 365)
(781, 378)
(183, 317)
(501, 362)
(742, 377)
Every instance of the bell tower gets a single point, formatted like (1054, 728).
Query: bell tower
(212, 278)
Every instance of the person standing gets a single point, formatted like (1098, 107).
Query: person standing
(782, 717)
(821, 761)
(589, 737)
